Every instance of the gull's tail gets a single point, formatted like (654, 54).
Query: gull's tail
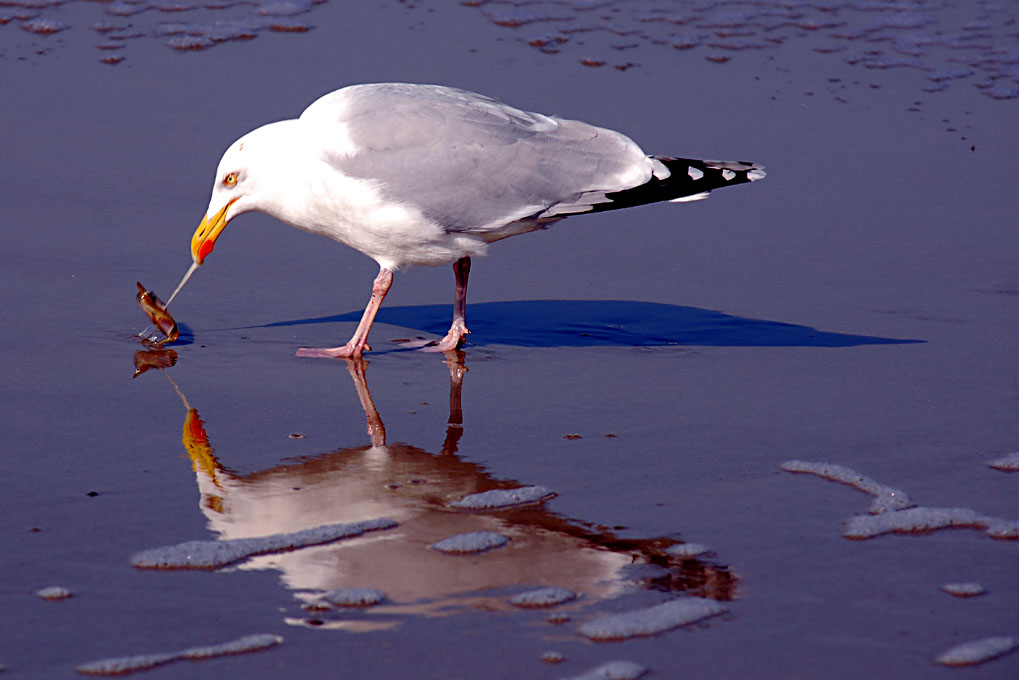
(687, 180)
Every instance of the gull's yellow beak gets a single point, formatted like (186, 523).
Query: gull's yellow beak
(207, 233)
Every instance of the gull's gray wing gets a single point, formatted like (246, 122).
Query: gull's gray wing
(471, 163)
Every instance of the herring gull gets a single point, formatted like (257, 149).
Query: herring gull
(427, 175)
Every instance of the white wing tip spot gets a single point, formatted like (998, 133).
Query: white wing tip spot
(728, 174)
(659, 169)
(756, 174)
(694, 173)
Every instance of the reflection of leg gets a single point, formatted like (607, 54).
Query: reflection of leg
(358, 343)
(376, 430)
(454, 427)
(457, 331)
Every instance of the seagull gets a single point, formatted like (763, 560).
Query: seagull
(413, 174)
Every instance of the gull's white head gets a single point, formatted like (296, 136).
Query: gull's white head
(247, 171)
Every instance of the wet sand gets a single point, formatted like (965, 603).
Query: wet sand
(654, 368)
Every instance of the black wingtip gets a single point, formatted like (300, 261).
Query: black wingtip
(688, 178)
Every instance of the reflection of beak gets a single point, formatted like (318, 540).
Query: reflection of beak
(196, 441)
(207, 233)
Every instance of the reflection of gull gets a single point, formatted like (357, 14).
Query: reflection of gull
(415, 488)
(428, 175)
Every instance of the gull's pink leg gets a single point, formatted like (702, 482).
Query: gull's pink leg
(455, 337)
(358, 343)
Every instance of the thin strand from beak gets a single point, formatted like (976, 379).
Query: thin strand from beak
(191, 270)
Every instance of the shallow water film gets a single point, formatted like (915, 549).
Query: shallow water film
(770, 434)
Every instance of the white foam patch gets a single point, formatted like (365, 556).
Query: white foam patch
(248, 643)
(886, 498)
(919, 520)
(473, 542)
(613, 670)
(894, 512)
(964, 589)
(216, 554)
(978, 651)
(54, 593)
(652, 620)
(552, 656)
(129, 664)
(1009, 463)
(687, 550)
(543, 597)
(126, 664)
(503, 498)
(354, 597)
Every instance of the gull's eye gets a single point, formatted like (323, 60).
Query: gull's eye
(230, 179)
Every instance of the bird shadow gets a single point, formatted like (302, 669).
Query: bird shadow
(599, 323)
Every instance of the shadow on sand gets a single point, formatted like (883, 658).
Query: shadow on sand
(592, 323)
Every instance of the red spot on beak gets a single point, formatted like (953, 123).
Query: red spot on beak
(204, 250)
